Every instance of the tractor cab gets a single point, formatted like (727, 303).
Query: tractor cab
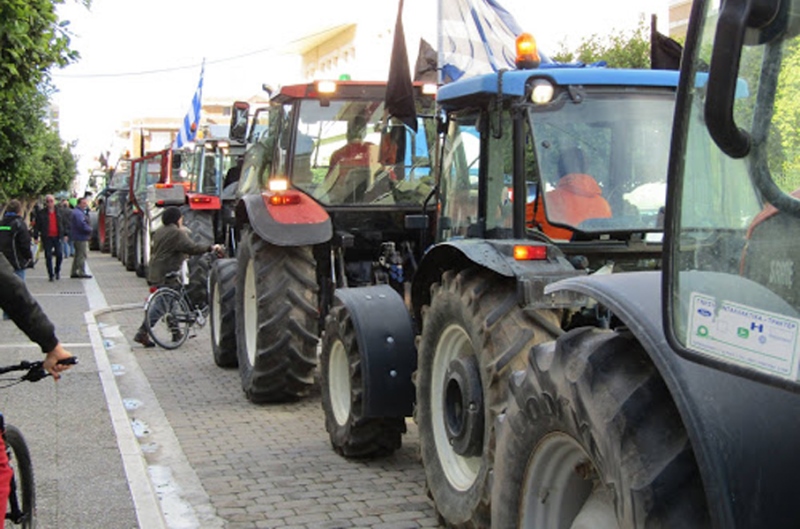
(731, 293)
(569, 155)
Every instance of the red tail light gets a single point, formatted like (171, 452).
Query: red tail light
(530, 253)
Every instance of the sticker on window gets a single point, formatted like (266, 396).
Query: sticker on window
(734, 333)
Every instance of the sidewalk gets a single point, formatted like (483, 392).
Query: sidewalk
(80, 478)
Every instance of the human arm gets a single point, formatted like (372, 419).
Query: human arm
(24, 310)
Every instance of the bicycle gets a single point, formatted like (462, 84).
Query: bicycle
(170, 313)
(22, 497)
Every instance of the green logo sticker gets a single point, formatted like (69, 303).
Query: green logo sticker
(742, 332)
(702, 331)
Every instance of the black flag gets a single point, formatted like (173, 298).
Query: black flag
(399, 89)
(665, 53)
(425, 69)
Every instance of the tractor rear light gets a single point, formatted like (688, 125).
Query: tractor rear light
(200, 200)
(285, 199)
(542, 92)
(530, 253)
(153, 288)
(326, 87)
(164, 186)
(430, 89)
(278, 184)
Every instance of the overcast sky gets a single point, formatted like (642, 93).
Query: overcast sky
(173, 36)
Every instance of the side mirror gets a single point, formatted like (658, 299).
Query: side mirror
(238, 127)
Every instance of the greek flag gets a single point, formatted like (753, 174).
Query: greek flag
(191, 122)
(476, 37)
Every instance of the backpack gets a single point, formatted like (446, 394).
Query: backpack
(9, 236)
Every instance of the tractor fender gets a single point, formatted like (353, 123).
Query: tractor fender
(498, 256)
(744, 434)
(385, 337)
(302, 224)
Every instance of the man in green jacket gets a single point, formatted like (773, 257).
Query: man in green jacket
(171, 247)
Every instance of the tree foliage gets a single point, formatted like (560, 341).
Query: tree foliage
(33, 159)
(619, 49)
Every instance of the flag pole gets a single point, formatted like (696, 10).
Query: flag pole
(439, 42)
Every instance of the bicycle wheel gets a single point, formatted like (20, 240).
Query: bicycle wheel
(168, 318)
(21, 510)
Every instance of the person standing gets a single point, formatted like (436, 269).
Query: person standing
(49, 227)
(172, 244)
(67, 248)
(15, 241)
(81, 230)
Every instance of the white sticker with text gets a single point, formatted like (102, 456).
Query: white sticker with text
(761, 340)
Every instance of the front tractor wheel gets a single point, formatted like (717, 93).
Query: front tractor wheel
(277, 319)
(474, 334)
(592, 438)
(351, 434)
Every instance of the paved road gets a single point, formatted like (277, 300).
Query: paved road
(148, 438)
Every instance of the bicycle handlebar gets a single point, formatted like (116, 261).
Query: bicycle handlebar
(35, 371)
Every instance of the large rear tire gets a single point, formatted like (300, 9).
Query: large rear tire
(104, 231)
(94, 239)
(133, 228)
(222, 304)
(474, 333)
(113, 235)
(350, 433)
(201, 228)
(277, 319)
(591, 435)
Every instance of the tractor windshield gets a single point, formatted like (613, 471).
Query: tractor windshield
(603, 161)
(348, 153)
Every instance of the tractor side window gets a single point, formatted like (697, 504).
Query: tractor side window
(500, 175)
(458, 193)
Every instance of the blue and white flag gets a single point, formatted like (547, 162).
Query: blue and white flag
(476, 37)
(191, 122)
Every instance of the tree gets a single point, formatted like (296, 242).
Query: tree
(619, 49)
(32, 41)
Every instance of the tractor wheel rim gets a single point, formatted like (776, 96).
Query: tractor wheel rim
(339, 383)
(216, 314)
(555, 493)
(461, 472)
(250, 312)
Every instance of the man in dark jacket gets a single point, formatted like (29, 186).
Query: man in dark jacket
(50, 227)
(172, 245)
(81, 230)
(31, 319)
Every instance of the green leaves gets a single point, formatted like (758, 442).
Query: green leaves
(629, 49)
(33, 159)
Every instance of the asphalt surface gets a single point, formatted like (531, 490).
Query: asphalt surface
(149, 438)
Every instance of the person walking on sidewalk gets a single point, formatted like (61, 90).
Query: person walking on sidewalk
(67, 247)
(31, 319)
(172, 244)
(50, 228)
(15, 241)
(81, 230)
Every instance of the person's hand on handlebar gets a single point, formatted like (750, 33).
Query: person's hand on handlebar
(51, 364)
(218, 249)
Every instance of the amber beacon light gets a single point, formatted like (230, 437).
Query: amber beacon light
(527, 54)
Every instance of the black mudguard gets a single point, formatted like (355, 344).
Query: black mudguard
(312, 226)
(386, 344)
(745, 435)
(498, 256)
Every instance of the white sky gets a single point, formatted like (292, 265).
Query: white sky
(122, 36)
